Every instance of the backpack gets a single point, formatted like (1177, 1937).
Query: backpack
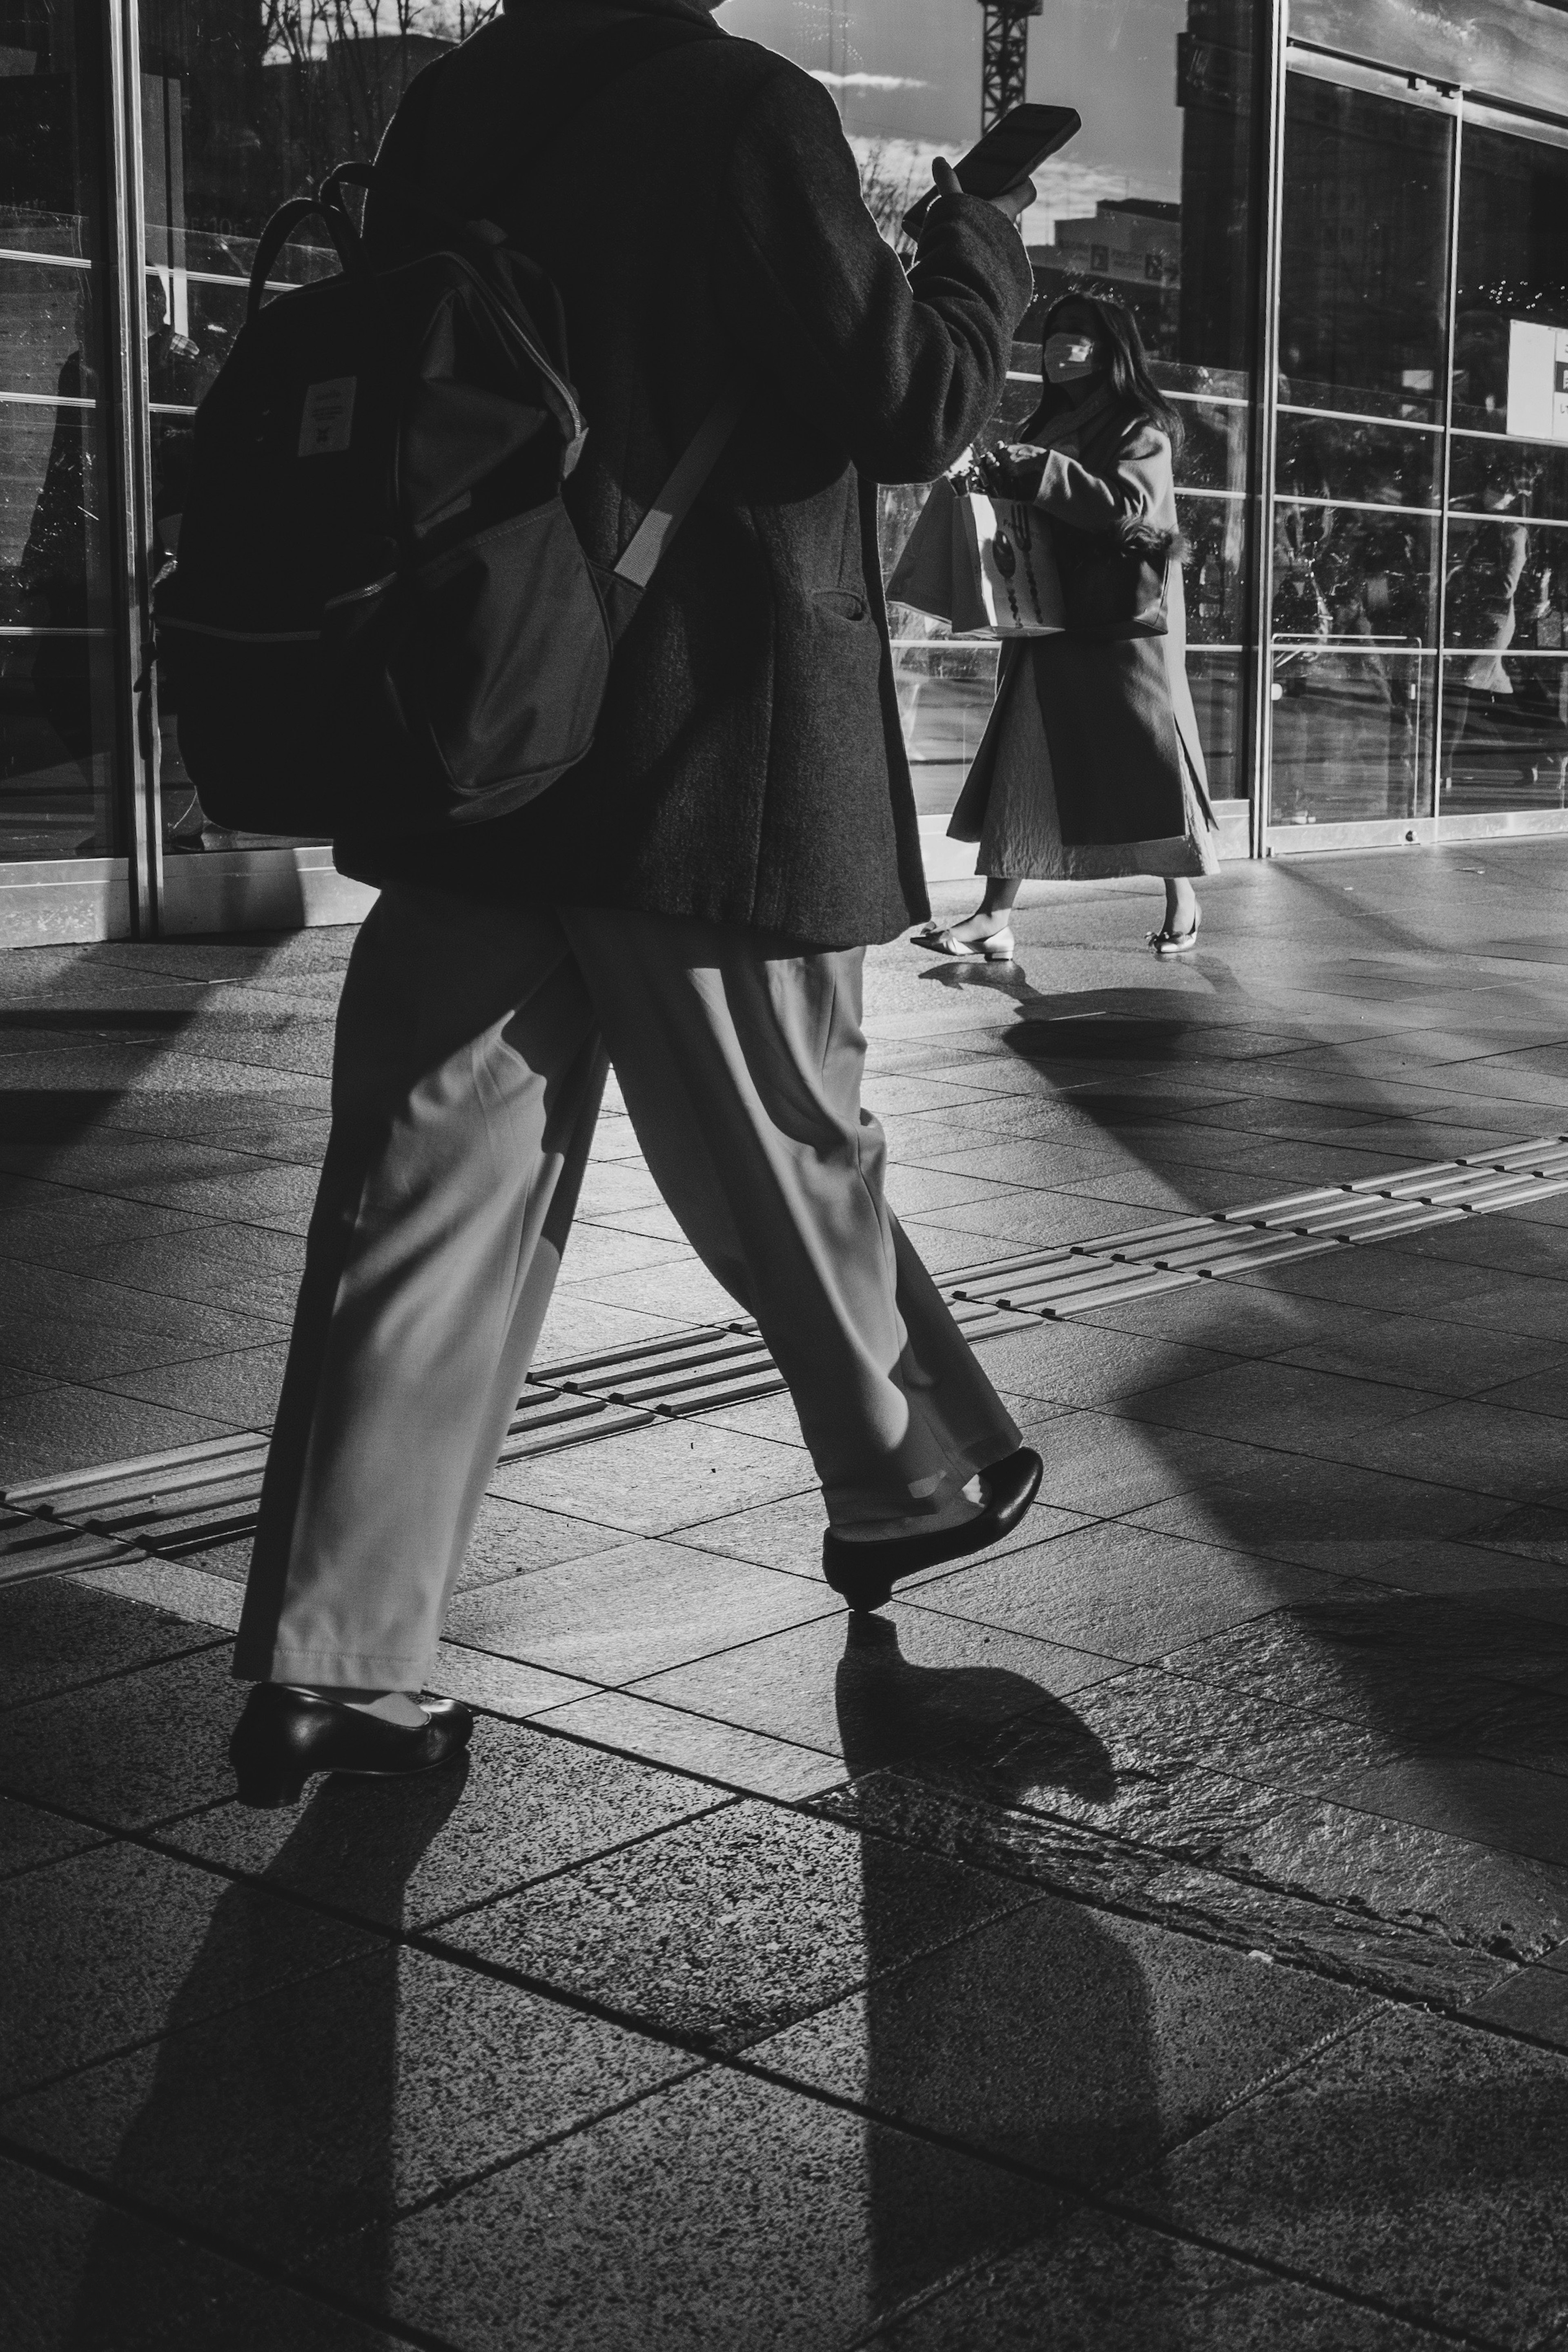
(381, 618)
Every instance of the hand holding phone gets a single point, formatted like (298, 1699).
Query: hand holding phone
(1012, 203)
(999, 165)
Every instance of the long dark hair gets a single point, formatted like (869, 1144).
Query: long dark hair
(1132, 382)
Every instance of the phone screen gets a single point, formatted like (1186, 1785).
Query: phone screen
(1007, 153)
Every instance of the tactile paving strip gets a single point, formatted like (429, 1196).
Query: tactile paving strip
(185, 1502)
(1118, 1266)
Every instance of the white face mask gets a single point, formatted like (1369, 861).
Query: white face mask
(1069, 358)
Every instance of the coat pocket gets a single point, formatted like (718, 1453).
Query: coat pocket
(841, 604)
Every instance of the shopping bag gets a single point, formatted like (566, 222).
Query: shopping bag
(1011, 566)
(985, 566)
(922, 577)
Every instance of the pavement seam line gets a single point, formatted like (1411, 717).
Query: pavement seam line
(1161, 2226)
(242, 2257)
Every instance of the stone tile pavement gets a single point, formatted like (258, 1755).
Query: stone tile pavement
(1152, 1934)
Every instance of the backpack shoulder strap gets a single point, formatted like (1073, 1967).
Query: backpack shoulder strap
(680, 492)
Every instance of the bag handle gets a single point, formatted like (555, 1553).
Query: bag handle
(274, 237)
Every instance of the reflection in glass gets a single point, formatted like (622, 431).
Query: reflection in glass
(57, 795)
(1212, 529)
(946, 687)
(1358, 481)
(1334, 457)
(1215, 680)
(1505, 684)
(1354, 605)
(1352, 730)
(1487, 472)
(1505, 741)
(1364, 259)
(1505, 732)
(1513, 264)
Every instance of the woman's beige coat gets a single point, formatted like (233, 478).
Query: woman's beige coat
(1090, 764)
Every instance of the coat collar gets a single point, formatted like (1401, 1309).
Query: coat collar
(594, 14)
(1076, 426)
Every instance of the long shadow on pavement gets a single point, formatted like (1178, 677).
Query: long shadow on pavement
(1053, 2066)
(1434, 1676)
(276, 2121)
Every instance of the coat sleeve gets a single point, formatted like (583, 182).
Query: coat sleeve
(1134, 484)
(902, 371)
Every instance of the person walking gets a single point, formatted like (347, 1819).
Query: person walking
(1090, 764)
(692, 902)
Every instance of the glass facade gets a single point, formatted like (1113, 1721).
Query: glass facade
(58, 798)
(1505, 672)
(243, 105)
(1344, 227)
(1420, 567)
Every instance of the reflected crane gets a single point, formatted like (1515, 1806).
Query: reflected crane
(1004, 55)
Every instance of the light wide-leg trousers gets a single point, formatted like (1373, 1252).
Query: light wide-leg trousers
(471, 1056)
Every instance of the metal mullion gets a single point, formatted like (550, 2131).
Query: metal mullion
(1477, 514)
(130, 445)
(47, 400)
(45, 260)
(1355, 506)
(1446, 461)
(1358, 416)
(1263, 437)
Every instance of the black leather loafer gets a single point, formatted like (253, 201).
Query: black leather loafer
(865, 1573)
(286, 1735)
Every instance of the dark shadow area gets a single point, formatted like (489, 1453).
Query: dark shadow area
(1144, 1026)
(57, 1115)
(1029, 2038)
(892, 1713)
(273, 2125)
(1486, 1746)
(66, 1115)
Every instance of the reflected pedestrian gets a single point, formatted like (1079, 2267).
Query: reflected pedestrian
(1091, 766)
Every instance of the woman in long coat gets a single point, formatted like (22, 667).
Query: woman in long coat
(1090, 764)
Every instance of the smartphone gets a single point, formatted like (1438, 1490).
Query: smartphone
(1008, 153)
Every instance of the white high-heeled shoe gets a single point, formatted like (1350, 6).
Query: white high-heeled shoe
(1167, 942)
(998, 947)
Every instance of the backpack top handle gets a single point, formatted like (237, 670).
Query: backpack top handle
(327, 205)
(342, 227)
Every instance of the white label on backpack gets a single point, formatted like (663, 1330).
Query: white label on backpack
(328, 413)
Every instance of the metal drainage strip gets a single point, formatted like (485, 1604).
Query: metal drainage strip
(197, 1497)
(1082, 1276)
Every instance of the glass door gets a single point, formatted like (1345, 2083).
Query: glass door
(62, 835)
(240, 108)
(1504, 754)
(1366, 229)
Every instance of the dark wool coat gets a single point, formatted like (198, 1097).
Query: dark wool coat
(748, 767)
